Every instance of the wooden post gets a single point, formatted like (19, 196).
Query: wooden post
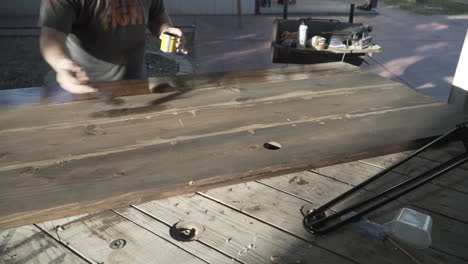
(285, 9)
(351, 13)
(459, 93)
(239, 13)
(257, 7)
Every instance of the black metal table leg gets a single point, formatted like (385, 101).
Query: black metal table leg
(318, 223)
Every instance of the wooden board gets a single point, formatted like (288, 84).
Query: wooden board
(231, 215)
(64, 139)
(143, 106)
(81, 157)
(284, 212)
(454, 179)
(318, 189)
(28, 244)
(431, 196)
(36, 96)
(160, 228)
(445, 152)
(95, 235)
(237, 235)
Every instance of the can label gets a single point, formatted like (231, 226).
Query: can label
(168, 42)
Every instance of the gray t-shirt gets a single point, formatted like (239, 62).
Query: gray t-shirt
(105, 37)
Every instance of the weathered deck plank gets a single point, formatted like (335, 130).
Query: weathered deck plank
(284, 212)
(28, 244)
(445, 152)
(270, 209)
(93, 236)
(237, 235)
(161, 229)
(431, 196)
(448, 235)
(455, 179)
(319, 189)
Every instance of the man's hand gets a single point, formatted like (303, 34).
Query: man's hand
(72, 77)
(180, 41)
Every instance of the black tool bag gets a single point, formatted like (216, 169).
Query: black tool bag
(287, 52)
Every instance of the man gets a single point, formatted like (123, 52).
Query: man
(99, 40)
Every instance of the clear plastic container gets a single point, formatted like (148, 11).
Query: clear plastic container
(411, 227)
(303, 35)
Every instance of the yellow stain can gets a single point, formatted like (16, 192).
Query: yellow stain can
(168, 42)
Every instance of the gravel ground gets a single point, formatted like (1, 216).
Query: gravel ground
(23, 66)
(157, 65)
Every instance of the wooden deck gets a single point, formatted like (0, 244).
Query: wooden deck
(256, 222)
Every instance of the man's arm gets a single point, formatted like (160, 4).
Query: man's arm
(161, 24)
(70, 75)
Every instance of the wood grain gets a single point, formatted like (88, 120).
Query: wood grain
(291, 108)
(430, 196)
(455, 179)
(142, 106)
(28, 244)
(318, 189)
(445, 152)
(284, 212)
(448, 235)
(199, 249)
(249, 242)
(92, 236)
(82, 157)
(27, 97)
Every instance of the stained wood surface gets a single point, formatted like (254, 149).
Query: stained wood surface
(18, 98)
(64, 139)
(73, 158)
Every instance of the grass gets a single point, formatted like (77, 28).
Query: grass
(23, 66)
(431, 7)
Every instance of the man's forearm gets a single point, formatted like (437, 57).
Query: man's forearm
(70, 76)
(53, 49)
(160, 23)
